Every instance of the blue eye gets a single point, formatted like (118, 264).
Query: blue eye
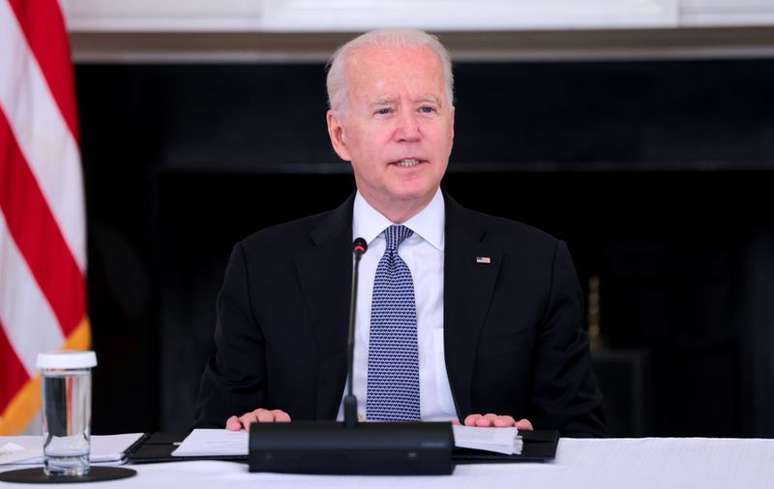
(427, 109)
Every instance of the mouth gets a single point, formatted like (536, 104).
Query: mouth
(408, 162)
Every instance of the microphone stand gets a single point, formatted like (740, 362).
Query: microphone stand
(359, 247)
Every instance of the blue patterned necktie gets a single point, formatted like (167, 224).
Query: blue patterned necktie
(393, 356)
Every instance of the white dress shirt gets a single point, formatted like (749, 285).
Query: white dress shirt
(423, 254)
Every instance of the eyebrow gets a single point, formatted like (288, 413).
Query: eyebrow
(383, 101)
(429, 98)
(390, 101)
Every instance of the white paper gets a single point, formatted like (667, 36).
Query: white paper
(111, 448)
(104, 448)
(500, 440)
(13, 453)
(209, 442)
(10, 448)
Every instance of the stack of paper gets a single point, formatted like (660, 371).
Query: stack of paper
(211, 442)
(28, 450)
(500, 440)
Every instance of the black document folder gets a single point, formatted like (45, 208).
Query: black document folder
(539, 446)
(158, 447)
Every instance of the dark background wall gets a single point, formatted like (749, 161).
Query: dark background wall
(656, 173)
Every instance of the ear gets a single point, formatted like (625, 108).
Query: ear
(336, 133)
(453, 112)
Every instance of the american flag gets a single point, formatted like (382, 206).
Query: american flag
(42, 221)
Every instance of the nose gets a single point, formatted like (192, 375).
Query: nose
(407, 128)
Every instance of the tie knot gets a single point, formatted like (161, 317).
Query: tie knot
(395, 235)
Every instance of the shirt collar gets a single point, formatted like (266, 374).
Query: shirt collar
(368, 223)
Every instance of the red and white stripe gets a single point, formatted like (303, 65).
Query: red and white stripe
(42, 219)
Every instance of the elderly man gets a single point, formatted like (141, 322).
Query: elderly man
(461, 316)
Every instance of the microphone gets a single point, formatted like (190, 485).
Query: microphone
(359, 247)
(328, 447)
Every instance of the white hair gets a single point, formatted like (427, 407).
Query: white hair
(403, 38)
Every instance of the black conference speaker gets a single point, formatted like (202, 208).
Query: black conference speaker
(327, 447)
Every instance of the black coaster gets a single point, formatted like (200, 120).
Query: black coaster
(37, 476)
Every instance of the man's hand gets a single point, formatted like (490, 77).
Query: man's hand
(258, 416)
(489, 420)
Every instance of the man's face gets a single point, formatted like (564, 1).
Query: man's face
(397, 128)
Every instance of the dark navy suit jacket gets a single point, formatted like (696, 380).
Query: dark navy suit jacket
(513, 337)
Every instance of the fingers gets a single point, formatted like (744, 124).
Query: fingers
(480, 420)
(504, 422)
(264, 416)
(260, 415)
(281, 416)
(247, 419)
(233, 424)
(471, 420)
(494, 420)
(486, 420)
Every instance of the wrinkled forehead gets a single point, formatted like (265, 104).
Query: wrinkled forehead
(379, 72)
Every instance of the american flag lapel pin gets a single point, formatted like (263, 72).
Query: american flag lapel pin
(484, 259)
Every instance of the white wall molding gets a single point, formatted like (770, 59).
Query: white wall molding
(443, 15)
(726, 12)
(162, 15)
(360, 15)
(467, 15)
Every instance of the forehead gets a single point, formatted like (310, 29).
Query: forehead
(379, 71)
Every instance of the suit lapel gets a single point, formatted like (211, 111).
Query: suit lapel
(324, 272)
(468, 290)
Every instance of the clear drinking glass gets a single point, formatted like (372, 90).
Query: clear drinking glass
(66, 379)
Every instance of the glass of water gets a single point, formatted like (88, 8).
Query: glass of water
(66, 379)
